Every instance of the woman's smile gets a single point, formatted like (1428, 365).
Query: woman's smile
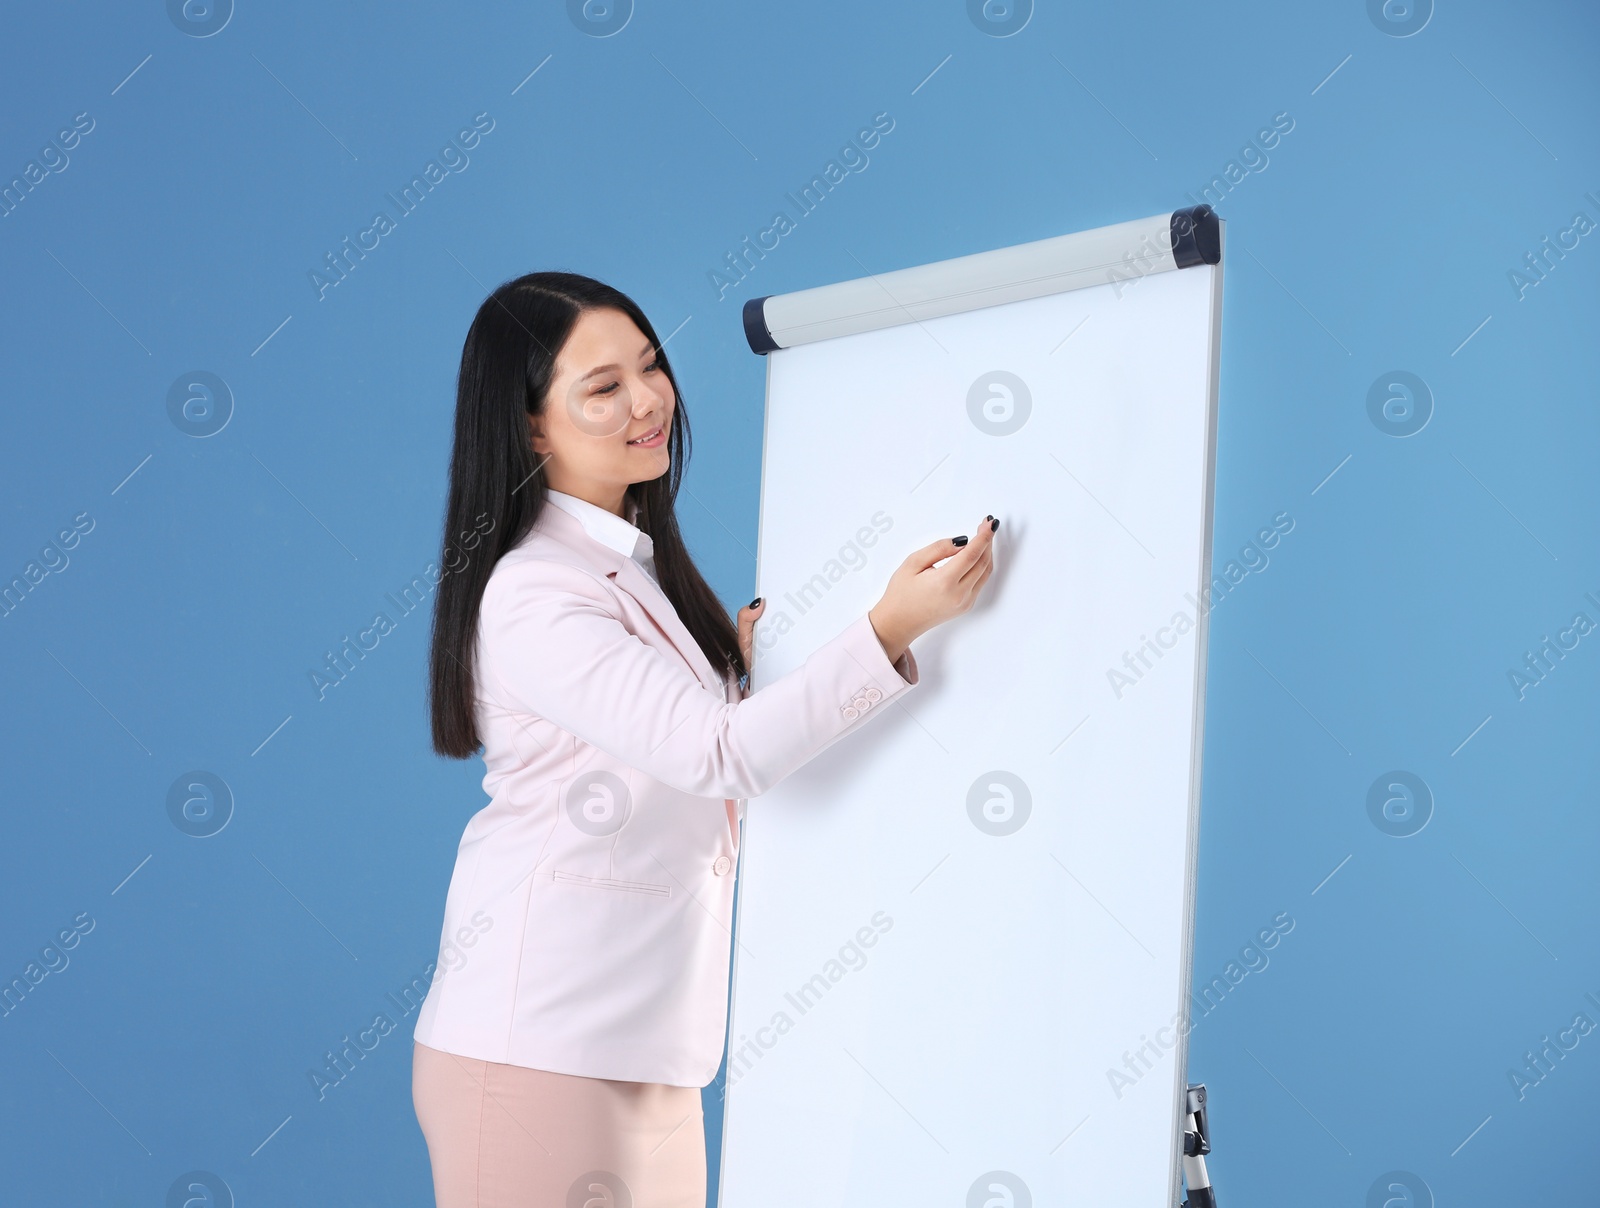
(652, 439)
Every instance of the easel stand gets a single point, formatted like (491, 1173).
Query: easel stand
(1196, 1144)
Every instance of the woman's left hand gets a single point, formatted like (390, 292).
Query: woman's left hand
(747, 628)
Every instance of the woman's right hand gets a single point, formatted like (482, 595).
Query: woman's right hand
(921, 595)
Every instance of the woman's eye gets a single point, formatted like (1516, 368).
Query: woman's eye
(606, 390)
(652, 365)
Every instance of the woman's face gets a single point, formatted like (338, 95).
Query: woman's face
(608, 413)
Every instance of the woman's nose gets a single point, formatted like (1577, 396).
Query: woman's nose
(647, 399)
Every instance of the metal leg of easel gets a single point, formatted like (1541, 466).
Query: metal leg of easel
(1196, 1144)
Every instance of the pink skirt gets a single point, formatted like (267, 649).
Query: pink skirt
(504, 1136)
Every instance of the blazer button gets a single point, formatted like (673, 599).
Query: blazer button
(851, 712)
(722, 865)
(862, 703)
(873, 695)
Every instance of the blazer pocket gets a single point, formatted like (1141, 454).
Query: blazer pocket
(573, 878)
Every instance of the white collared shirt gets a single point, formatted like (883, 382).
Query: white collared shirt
(611, 530)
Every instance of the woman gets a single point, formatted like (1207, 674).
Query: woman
(579, 1001)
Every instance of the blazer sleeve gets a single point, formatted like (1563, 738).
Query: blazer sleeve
(552, 643)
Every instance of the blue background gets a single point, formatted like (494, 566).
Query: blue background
(1379, 236)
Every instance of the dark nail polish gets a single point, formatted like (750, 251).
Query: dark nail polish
(988, 517)
(756, 603)
(958, 540)
(995, 525)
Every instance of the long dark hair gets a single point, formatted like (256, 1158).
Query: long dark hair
(497, 485)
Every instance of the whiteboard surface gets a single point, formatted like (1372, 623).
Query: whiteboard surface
(1006, 973)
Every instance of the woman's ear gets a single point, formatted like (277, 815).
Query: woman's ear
(536, 434)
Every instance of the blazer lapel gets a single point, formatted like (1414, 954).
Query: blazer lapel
(631, 578)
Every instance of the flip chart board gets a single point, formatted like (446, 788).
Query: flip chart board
(963, 935)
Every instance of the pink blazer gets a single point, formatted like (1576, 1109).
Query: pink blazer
(588, 925)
